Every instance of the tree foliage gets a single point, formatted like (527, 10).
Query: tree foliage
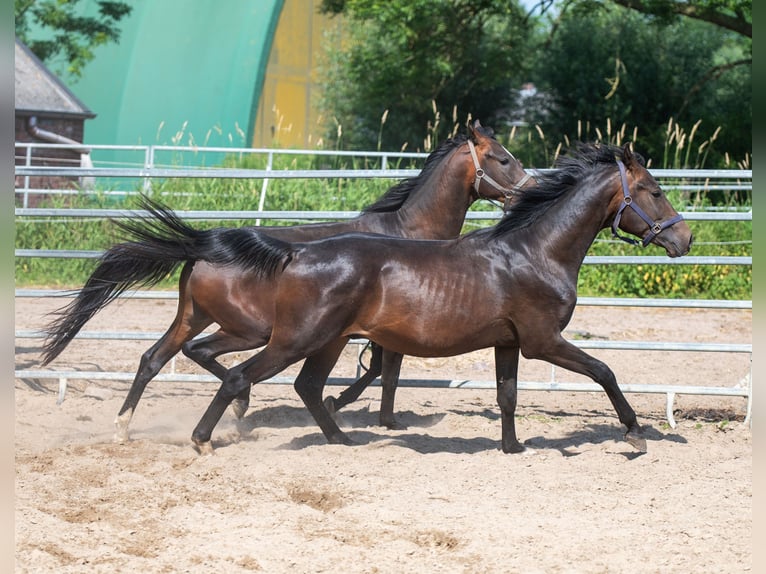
(645, 65)
(733, 15)
(614, 65)
(423, 65)
(61, 30)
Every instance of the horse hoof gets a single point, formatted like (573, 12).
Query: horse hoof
(636, 440)
(205, 448)
(121, 423)
(239, 408)
(516, 448)
(341, 439)
(393, 425)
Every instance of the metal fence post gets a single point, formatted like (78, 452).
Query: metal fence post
(264, 185)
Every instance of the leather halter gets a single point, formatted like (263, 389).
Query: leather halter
(482, 175)
(655, 227)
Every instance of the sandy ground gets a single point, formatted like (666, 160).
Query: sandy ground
(438, 496)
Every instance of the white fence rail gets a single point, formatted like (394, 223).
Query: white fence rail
(147, 169)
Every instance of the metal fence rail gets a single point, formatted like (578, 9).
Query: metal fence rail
(148, 168)
(670, 391)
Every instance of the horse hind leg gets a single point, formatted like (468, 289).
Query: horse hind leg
(266, 363)
(205, 351)
(151, 363)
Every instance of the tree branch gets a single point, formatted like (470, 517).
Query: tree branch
(736, 24)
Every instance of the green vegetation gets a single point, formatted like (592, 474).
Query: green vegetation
(558, 66)
(188, 194)
(64, 34)
(681, 281)
(409, 68)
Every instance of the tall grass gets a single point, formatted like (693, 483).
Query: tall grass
(90, 234)
(681, 281)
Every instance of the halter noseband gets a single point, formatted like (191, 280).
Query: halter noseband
(482, 175)
(655, 227)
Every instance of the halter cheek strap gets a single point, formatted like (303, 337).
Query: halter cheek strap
(482, 175)
(655, 227)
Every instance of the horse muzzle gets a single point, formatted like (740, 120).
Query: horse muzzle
(677, 241)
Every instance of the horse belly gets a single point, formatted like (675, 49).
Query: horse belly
(443, 340)
(433, 305)
(434, 327)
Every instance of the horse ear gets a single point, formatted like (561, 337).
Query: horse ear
(627, 155)
(476, 130)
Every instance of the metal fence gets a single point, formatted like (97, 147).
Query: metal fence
(148, 169)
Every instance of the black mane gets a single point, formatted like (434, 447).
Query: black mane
(395, 197)
(570, 169)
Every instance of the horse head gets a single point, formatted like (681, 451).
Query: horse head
(644, 210)
(497, 174)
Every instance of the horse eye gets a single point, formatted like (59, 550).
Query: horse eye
(504, 161)
(656, 194)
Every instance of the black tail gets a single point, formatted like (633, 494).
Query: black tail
(160, 242)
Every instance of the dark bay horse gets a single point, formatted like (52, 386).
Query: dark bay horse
(429, 206)
(512, 286)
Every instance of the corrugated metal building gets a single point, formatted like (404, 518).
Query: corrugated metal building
(234, 73)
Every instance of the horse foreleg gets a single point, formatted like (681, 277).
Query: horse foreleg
(506, 374)
(354, 391)
(310, 383)
(392, 364)
(565, 354)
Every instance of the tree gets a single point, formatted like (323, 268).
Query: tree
(53, 28)
(619, 66)
(734, 15)
(421, 64)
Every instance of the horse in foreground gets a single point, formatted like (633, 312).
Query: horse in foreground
(512, 286)
(431, 205)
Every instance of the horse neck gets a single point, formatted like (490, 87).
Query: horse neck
(436, 210)
(567, 230)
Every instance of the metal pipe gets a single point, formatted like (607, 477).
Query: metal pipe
(52, 137)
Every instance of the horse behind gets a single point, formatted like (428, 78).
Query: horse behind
(512, 287)
(430, 206)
